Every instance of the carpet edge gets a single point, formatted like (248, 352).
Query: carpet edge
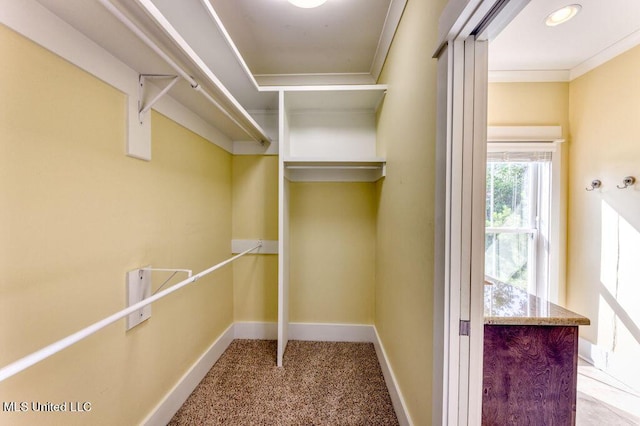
(164, 411)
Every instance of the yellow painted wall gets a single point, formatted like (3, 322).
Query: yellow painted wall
(255, 216)
(75, 215)
(538, 104)
(332, 242)
(604, 225)
(529, 104)
(405, 224)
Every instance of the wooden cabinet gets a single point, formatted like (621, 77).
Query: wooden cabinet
(529, 375)
(530, 359)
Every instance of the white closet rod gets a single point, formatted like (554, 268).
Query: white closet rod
(194, 84)
(44, 353)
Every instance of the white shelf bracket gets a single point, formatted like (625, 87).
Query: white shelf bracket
(138, 289)
(144, 107)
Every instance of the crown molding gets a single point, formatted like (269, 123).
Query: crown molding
(627, 43)
(534, 76)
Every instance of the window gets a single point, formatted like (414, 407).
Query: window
(518, 215)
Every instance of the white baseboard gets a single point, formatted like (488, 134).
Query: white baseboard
(171, 403)
(593, 354)
(256, 330)
(616, 365)
(392, 385)
(331, 332)
(306, 332)
(174, 399)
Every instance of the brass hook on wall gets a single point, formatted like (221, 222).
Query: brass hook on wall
(627, 181)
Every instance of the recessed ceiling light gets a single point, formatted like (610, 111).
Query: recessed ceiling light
(307, 4)
(561, 15)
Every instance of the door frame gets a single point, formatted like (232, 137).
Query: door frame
(465, 27)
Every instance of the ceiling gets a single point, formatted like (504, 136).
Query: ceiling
(529, 50)
(275, 37)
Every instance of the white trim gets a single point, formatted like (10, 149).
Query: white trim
(33, 21)
(256, 330)
(391, 22)
(331, 332)
(524, 134)
(534, 76)
(173, 400)
(399, 404)
(440, 367)
(477, 240)
(607, 54)
(452, 19)
(593, 354)
(522, 146)
(267, 82)
(253, 148)
(268, 246)
(225, 34)
(283, 233)
(542, 76)
(614, 364)
(328, 88)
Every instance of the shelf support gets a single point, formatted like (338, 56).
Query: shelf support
(144, 108)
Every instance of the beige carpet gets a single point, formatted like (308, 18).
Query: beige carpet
(322, 383)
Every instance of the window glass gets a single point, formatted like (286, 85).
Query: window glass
(507, 258)
(508, 195)
(515, 208)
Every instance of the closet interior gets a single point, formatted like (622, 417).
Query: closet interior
(327, 135)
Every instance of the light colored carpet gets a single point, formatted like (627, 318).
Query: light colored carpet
(321, 383)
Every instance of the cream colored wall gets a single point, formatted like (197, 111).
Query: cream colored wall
(76, 215)
(538, 104)
(405, 225)
(255, 216)
(604, 225)
(332, 241)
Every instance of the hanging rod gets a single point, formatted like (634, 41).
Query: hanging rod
(52, 349)
(166, 26)
(189, 272)
(262, 138)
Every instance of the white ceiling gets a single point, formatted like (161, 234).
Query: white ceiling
(601, 30)
(275, 37)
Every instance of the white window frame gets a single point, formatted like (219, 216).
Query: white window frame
(537, 231)
(539, 139)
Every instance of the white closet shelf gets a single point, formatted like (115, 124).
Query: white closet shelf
(335, 98)
(299, 169)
